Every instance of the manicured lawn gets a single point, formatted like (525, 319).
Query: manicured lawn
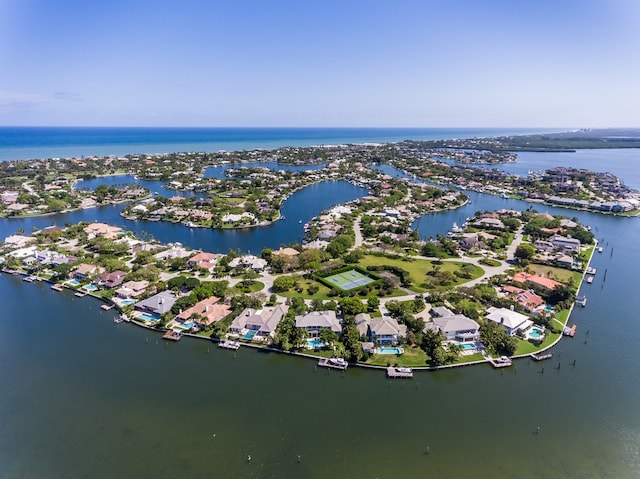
(255, 287)
(418, 269)
(412, 357)
(525, 347)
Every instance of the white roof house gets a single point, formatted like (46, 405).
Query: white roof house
(316, 320)
(512, 321)
(455, 327)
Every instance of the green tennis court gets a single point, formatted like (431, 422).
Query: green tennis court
(349, 280)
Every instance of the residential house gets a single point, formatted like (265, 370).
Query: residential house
(314, 321)
(536, 280)
(263, 321)
(18, 241)
(382, 330)
(111, 280)
(511, 321)
(84, 271)
(565, 243)
(440, 311)
(528, 299)
(209, 310)
(103, 230)
(158, 304)
(132, 289)
(455, 327)
(203, 261)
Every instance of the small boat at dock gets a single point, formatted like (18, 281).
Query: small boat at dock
(582, 301)
(333, 363)
(172, 335)
(396, 372)
(542, 357)
(234, 345)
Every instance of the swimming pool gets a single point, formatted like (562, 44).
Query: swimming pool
(150, 318)
(90, 287)
(249, 334)
(73, 282)
(127, 302)
(315, 343)
(188, 325)
(468, 346)
(389, 350)
(535, 333)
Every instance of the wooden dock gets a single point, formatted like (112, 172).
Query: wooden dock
(582, 301)
(501, 362)
(80, 294)
(172, 335)
(333, 363)
(107, 307)
(57, 287)
(542, 357)
(570, 331)
(234, 345)
(393, 372)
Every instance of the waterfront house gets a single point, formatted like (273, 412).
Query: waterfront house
(264, 321)
(132, 289)
(385, 330)
(565, 243)
(206, 312)
(440, 312)
(158, 304)
(543, 245)
(176, 250)
(84, 271)
(249, 261)
(18, 241)
(528, 299)
(511, 321)
(314, 321)
(547, 284)
(286, 252)
(111, 280)
(455, 327)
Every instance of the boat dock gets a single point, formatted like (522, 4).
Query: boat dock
(29, 279)
(107, 307)
(542, 357)
(172, 335)
(57, 287)
(501, 362)
(234, 345)
(399, 372)
(80, 295)
(582, 301)
(333, 363)
(570, 331)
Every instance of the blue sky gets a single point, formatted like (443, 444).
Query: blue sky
(422, 63)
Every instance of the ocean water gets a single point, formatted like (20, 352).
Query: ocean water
(19, 143)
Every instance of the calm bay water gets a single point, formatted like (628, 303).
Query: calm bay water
(83, 397)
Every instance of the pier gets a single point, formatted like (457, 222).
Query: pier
(107, 307)
(542, 357)
(333, 363)
(172, 335)
(571, 332)
(582, 301)
(80, 295)
(57, 287)
(234, 345)
(393, 372)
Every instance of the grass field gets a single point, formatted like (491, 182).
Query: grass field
(559, 274)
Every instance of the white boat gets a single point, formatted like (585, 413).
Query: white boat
(600, 249)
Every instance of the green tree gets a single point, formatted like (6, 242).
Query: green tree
(282, 284)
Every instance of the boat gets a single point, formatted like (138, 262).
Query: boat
(582, 301)
(333, 363)
(398, 372)
(600, 249)
(122, 317)
(590, 279)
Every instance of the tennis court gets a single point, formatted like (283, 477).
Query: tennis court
(349, 280)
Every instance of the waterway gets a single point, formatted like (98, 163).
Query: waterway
(84, 397)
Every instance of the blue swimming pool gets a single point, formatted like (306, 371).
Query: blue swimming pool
(249, 334)
(73, 282)
(389, 350)
(151, 318)
(188, 325)
(468, 346)
(535, 333)
(90, 287)
(315, 343)
(126, 302)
